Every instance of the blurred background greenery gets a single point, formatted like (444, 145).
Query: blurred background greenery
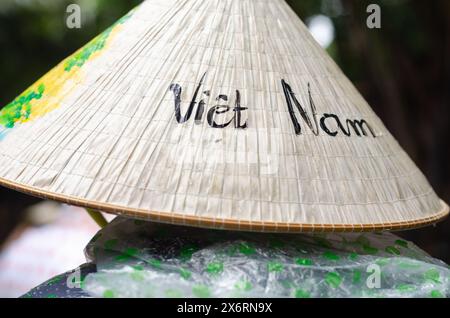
(402, 70)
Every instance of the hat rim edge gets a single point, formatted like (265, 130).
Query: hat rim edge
(226, 224)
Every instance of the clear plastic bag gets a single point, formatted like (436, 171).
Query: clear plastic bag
(142, 259)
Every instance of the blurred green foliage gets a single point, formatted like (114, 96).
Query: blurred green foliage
(34, 36)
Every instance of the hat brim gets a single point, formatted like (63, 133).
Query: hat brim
(228, 224)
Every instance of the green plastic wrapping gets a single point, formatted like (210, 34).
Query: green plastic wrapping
(142, 259)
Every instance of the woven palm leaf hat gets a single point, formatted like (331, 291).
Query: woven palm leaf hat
(219, 114)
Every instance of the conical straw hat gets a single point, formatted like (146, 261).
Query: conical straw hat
(221, 114)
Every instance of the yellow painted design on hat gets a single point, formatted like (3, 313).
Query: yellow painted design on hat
(47, 93)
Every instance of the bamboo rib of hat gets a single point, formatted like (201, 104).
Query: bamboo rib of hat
(221, 114)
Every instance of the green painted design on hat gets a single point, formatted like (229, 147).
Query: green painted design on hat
(138, 267)
(246, 249)
(356, 276)
(108, 294)
(432, 275)
(110, 244)
(331, 256)
(20, 108)
(300, 293)
(97, 44)
(333, 279)
(274, 267)
(436, 294)
(402, 243)
(243, 285)
(127, 254)
(201, 291)
(185, 273)
(214, 268)
(303, 261)
(84, 54)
